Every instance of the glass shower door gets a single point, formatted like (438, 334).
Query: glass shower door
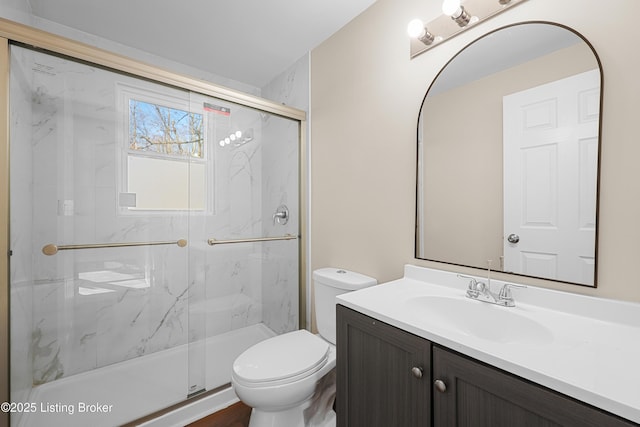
(100, 164)
(154, 236)
(248, 288)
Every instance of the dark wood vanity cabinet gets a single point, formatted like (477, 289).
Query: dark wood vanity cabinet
(377, 386)
(478, 395)
(383, 374)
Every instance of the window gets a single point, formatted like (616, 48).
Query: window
(155, 128)
(165, 165)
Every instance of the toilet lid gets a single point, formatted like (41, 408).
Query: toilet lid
(281, 357)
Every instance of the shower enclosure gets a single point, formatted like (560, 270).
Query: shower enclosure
(154, 236)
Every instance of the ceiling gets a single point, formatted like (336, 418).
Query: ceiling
(250, 41)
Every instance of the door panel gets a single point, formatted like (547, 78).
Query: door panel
(550, 166)
(377, 385)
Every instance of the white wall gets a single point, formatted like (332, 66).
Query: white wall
(365, 98)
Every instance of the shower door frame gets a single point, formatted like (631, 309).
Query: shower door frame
(14, 32)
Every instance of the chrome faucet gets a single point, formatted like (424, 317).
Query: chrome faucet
(504, 297)
(482, 292)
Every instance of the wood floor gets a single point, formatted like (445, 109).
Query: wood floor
(236, 415)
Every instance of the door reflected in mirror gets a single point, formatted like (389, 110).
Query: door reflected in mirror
(508, 151)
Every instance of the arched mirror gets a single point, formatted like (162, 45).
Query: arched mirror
(508, 150)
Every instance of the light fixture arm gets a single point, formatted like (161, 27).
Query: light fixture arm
(465, 16)
(462, 18)
(427, 38)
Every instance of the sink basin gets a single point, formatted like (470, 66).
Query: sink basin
(479, 319)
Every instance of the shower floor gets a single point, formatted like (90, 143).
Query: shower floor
(111, 395)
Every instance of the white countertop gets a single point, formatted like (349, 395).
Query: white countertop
(591, 351)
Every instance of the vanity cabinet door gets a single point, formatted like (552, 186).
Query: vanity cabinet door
(477, 395)
(383, 374)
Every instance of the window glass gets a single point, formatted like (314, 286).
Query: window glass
(165, 153)
(159, 129)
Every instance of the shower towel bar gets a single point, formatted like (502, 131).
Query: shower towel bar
(213, 242)
(52, 249)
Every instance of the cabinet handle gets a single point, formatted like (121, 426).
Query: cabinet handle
(417, 372)
(440, 386)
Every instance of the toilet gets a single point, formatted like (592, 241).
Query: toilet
(288, 380)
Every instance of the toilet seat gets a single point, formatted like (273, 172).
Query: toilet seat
(280, 360)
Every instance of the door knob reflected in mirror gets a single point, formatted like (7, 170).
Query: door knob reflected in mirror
(513, 238)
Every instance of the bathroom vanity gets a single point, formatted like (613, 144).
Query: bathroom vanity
(418, 352)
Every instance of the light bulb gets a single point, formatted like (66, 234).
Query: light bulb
(238, 133)
(456, 12)
(415, 29)
(221, 143)
(227, 141)
(232, 136)
(451, 7)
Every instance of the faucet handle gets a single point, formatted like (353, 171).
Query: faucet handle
(505, 291)
(473, 283)
(474, 288)
(281, 216)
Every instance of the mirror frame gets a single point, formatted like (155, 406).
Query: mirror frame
(599, 155)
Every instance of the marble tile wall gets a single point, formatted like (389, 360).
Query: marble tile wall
(281, 187)
(84, 309)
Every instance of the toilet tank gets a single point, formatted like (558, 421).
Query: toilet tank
(328, 284)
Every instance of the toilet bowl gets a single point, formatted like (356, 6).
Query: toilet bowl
(285, 378)
(278, 377)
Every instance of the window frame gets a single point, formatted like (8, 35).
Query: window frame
(169, 98)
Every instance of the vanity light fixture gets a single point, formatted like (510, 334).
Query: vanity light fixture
(444, 27)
